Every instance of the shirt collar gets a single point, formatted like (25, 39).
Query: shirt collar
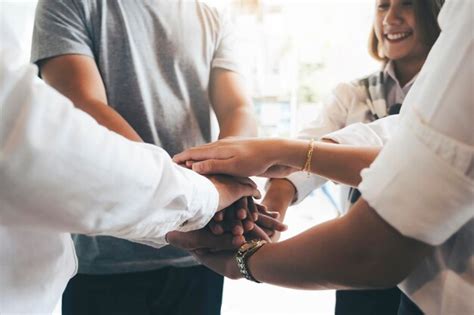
(389, 74)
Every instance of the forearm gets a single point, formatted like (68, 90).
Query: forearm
(336, 162)
(238, 122)
(321, 258)
(77, 77)
(106, 116)
(87, 195)
(279, 196)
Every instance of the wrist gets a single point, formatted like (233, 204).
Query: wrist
(293, 153)
(280, 189)
(255, 261)
(245, 252)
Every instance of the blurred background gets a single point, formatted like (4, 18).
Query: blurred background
(294, 53)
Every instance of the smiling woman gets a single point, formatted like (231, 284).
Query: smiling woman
(404, 31)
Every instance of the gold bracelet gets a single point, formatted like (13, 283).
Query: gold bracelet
(309, 156)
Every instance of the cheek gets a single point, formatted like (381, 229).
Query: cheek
(378, 30)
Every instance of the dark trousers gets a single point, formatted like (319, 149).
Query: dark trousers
(368, 302)
(407, 307)
(168, 291)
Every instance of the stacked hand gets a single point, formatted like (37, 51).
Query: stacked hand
(238, 219)
(237, 157)
(230, 228)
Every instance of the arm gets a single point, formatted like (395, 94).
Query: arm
(232, 104)
(279, 196)
(261, 157)
(359, 250)
(332, 116)
(340, 163)
(70, 172)
(77, 77)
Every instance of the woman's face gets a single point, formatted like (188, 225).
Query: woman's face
(397, 31)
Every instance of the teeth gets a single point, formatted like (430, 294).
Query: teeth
(396, 36)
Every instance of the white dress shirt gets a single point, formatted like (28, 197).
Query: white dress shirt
(60, 172)
(422, 183)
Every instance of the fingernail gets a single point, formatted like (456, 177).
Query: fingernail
(196, 167)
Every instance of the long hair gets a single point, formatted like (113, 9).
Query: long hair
(426, 14)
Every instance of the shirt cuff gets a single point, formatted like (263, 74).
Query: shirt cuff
(416, 191)
(305, 185)
(204, 203)
(355, 134)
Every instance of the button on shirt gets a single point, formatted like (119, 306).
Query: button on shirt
(422, 183)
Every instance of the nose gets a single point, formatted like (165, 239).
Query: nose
(393, 16)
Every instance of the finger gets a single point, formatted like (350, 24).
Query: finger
(215, 166)
(264, 210)
(245, 204)
(261, 208)
(248, 225)
(273, 214)
(258, 233)
(231, 224)
(216, 228)
(204, 152)
(271, 223)
(237, 228)
(252, 208)
(270, 233)
(219, 216)
(241, 214)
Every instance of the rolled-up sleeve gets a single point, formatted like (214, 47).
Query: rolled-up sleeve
(418, 183)
(422, 183)
(376, 133)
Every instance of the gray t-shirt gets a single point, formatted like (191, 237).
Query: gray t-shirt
(155, 58)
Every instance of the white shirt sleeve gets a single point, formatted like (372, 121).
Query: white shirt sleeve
(61, 171)
(376, 133)
(422, 183)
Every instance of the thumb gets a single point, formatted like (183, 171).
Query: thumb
(249, 191)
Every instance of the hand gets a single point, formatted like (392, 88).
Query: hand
(204, 240)
(237, 157)
(221, 262)
(248, 219)
(270, 223)
(237, 219)
(231, 189)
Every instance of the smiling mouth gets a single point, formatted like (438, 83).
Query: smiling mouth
(396, 37)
